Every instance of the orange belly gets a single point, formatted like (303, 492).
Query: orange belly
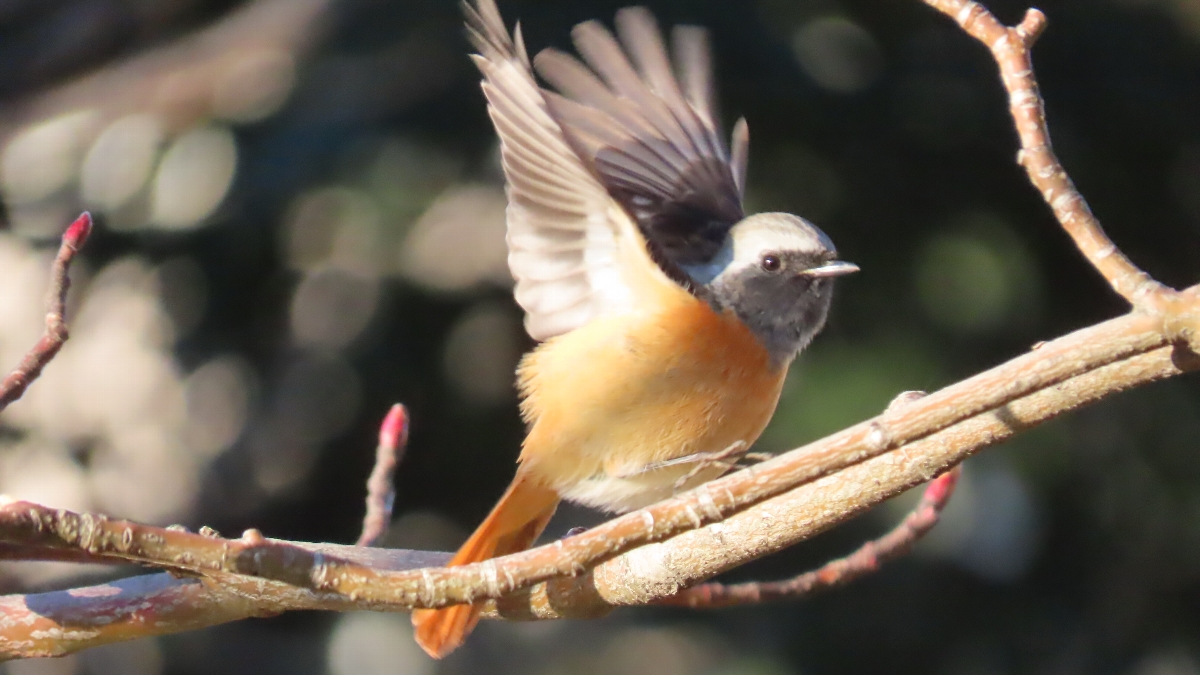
(624, 392)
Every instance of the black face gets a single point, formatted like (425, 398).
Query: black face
(784, 307)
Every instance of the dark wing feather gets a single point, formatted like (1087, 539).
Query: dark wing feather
(652, 141)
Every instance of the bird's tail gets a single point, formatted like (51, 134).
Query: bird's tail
(512, 526)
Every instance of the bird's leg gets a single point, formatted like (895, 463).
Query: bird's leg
(735, 450)
(727, 459)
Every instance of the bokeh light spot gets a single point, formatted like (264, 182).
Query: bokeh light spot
(331, 307)
(41, 473)
(459, 241)
(319, 396)
(365, 643)
(838, 54)
(991, 527)
(218, 397)
(151, 457)
(977, 277)
(962, 283)
(255, 86)
(659, 651)
(481, 354)
(43, 158)
(120, 161)
(193, 177)
(334, 226)
(1173, 659)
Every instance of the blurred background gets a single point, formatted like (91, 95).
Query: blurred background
(300, 217)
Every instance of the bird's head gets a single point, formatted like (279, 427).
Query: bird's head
(776, 272)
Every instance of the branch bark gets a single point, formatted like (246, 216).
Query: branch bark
(866, 560)
(1010, 47)
(381, 491)
(13, 386)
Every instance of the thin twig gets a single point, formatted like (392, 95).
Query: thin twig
(381, 490)
(16, 382)
(866, 560)
(1010, 47)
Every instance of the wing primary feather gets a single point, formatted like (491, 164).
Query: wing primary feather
(576, 81)
(694, 60)
(639, 33)
(643, 119)
(602, 52)
(590, 130)
(657, 155)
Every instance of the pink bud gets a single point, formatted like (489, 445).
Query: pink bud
(394, 430)
(79, 230)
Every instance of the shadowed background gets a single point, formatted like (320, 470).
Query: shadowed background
(301, 222)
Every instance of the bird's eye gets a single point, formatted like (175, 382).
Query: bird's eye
(771, 263)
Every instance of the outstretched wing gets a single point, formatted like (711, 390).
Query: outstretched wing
(574, 252)
(650, 138)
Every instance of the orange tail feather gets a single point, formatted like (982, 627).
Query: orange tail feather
(513, 525)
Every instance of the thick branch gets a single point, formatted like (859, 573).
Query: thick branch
(1050, 365)
(62, 622)
(659, 570)
(288, 572)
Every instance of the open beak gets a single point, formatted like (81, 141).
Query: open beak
(835, 268)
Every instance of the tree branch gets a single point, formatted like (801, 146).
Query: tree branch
(61, 622)
(381, 491)
(13, 386)
(651, 572)
(636, 578)
(1010, 47)
(866, 560)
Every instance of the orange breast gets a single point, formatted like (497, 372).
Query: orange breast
(626, 391)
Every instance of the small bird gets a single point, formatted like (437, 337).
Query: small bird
(667, 316)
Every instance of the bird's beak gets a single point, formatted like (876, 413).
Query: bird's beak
(834, 268)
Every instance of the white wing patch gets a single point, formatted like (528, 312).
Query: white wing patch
(564, 229)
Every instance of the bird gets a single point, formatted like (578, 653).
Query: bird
(666, 316)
